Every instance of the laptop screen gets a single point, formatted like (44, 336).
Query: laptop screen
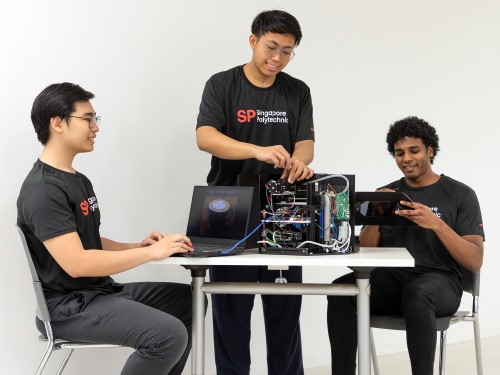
(219, 214)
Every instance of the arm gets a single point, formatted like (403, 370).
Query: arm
(466, 250)
(111, 245)
(214, 142)
(303, 153)
(302, 156)
(117, 246)
(68, 252)
(369, 236)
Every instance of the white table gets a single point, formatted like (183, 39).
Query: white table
(362, 263)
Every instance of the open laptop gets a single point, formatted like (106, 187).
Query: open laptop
(218, 220)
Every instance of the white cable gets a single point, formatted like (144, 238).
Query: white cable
(335, 245)
(331, 176)
(316, 243)
(346, 244)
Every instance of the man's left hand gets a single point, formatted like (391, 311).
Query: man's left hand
(298, 171)
(420, 215)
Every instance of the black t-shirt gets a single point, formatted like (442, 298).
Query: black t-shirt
(52, 203)
(452, 201)
(277, 115)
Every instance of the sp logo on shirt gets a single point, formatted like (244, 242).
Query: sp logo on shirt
(267, 117)
(85, 207)
(246, 115)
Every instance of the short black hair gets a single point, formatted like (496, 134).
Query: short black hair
(413, 127)
(277, 22)
(56, 100)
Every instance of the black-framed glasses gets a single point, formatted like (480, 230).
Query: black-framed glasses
(272, 50)
(94, 120)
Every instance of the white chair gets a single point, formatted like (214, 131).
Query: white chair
(394, 322)
(42, 312)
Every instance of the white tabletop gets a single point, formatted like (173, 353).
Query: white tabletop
(366, 257)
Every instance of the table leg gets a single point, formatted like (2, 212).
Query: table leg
(363, 300)
(198, 329)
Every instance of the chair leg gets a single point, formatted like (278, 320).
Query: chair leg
(477, 343)
(376, 369)
(45, 358)
(442, 352)
(64, 361)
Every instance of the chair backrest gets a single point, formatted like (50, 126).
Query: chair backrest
(42, 311)
(470, 281)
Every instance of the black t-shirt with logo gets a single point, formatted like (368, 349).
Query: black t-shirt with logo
(281, 114)
(452, 201)
(51, 203)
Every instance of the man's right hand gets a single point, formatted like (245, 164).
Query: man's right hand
(276, 155)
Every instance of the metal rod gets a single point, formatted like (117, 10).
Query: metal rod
(198, 329)
(280, 289)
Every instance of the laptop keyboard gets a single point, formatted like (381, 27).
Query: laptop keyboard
(209, 251)
(206, 248)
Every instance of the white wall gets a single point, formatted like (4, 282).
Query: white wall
(368, 63)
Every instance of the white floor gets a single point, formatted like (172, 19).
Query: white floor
(460, 360)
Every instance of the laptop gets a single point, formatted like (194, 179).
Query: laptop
(218, 220)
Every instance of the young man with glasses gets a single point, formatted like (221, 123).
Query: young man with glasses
(59, 214)
(256, 119)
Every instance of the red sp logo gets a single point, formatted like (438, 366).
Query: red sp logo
(85, 207)
(246, 115)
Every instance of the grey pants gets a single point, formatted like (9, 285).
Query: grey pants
(153, 318)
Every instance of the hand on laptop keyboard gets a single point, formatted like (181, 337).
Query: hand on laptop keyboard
(169, 245)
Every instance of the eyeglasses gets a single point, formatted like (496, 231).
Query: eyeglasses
(94, 120)
(286, 52)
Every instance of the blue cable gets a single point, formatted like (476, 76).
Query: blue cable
(223, 252)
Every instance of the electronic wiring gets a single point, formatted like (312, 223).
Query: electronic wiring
(286, 220)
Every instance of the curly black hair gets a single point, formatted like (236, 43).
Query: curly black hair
(416, 128)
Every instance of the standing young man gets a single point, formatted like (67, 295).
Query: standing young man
(448, 234)
(59, 214)
(256, 119)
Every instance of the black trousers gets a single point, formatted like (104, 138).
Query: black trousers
(419, 296)
(154, 318)
(232, 318)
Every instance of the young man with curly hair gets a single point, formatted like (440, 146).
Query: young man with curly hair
(448, 235)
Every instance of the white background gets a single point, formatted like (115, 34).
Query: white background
(368, 64)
